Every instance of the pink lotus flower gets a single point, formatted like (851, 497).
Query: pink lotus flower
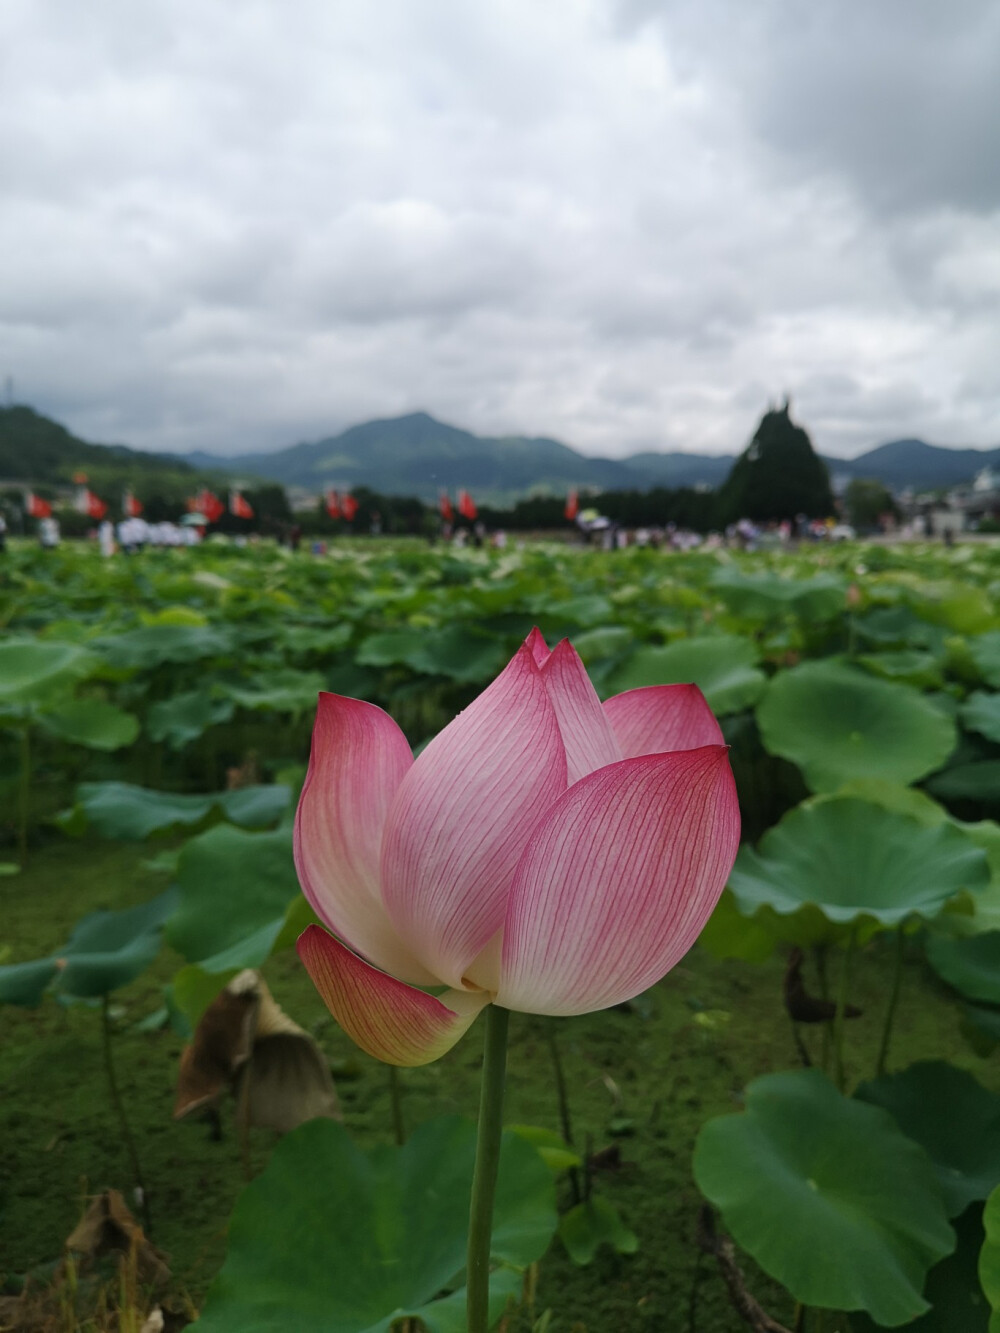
(545, 851)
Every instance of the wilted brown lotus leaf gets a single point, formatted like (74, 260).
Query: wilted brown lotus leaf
(82, 1294)
(108, 1227)
(222, 1043)
(245, 1040)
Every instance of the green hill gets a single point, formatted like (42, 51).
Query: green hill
(37, 452)
(417, 455)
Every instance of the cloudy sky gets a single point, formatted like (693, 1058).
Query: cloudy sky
(629, 224)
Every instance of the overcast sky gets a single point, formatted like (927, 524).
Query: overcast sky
(629, 224)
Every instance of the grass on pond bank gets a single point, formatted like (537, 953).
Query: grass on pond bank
(646, 1076)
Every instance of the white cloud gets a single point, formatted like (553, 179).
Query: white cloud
(628, 226)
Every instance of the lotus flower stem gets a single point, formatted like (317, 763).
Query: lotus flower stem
(484, 1179)
(890, 1013)
(119, 1106)
(838, 1017)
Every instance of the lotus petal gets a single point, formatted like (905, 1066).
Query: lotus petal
(393, 1022)
(463, 815)
(536, 645)
(617, 881)
(359, 758)
(656, 718)
(587, 735)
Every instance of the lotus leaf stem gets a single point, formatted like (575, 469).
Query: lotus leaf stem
(565, 1118)
(838, 1017)
(24, 796)
(119, 1107)
(890, 1013)
(484, 1180)
(396, 1098)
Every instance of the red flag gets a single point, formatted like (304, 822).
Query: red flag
(90, 504)
(445, 509)
(131, 507)
(35, 507)
(572, 506)
(238, 506)
(205, 502)
(348, 506)
(332, 504)
(467, 506)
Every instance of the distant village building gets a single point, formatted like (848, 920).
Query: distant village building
(946, 519)
(983, 501)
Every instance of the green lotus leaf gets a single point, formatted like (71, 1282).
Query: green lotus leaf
(981, 712)
(898, 626)
(313, 640)
(728, 933)
(891, 796)
(854, 860)
(26, 983)
(761, 596)
(827, 1195)
(92, 722)
(986, 834)
(282, 691)
(330, 1239)
(106, 950)
(196, 985)
(588, 610)
(956, 606)
(953, 1289)
(909, 666)
(555, 1152)
(596, 645)
(953, 1118)
(989, 1258)
(184, 717)
(123, 810)
(454, 650)
(838, 724)
(153, 645)
(970, 964)
(235, 890)
(174, 615)
(32, 670)
(588, 1226)
(984, 650)
(723, 666)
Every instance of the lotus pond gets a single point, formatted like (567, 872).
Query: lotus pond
(816, 1080)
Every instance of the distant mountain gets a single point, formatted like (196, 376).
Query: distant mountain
(36, 451)
(914, 463)
(679, 469)
(417, 455)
